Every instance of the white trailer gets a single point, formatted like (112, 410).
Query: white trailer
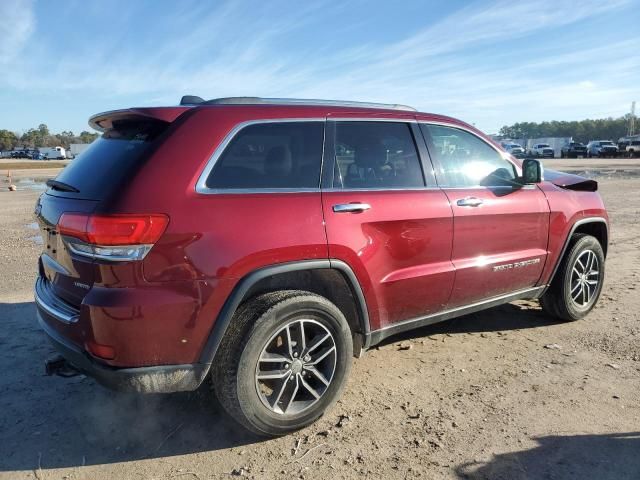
(76, 149)
(54, 153)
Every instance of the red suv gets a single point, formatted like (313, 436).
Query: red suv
(265, 242)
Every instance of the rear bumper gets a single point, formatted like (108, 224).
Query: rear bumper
(148, 379)
(158, 379)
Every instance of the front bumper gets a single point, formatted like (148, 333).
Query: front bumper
(151, 379)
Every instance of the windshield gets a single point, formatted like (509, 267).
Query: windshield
(606, 143)
(543, 145)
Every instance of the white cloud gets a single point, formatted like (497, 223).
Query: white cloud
(238, 50)
(17, 23)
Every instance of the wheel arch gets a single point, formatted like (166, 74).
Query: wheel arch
(324, 277)
(597, 227)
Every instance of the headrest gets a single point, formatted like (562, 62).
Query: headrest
(278, 161)
(370, 155)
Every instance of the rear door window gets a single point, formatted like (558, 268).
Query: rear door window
(376, 155)
(278, 155)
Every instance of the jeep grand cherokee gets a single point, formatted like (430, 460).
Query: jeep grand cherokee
(264, 242)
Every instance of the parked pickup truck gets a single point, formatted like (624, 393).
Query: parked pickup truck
(631, 148)
(541, 150)
(601, 148)
(573, 150)
(514, 149)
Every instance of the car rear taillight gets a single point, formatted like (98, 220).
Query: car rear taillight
(111, 237)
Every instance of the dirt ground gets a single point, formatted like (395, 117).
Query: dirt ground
(502, 394)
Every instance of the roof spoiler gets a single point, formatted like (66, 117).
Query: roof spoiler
(191, 100)
(104, 121)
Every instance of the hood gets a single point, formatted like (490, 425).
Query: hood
(570, 181)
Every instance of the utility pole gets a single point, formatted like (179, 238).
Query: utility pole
(632, 120)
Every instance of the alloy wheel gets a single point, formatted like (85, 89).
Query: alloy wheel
(296, 367)
(585, 276)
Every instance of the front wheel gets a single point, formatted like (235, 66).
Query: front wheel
(577, 285)
(283, 361)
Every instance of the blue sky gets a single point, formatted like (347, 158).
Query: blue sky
(489, 62)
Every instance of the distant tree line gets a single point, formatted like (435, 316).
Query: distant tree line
(581, 131)
(41, 137)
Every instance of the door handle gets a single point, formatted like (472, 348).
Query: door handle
(351, 207)
(469, 202)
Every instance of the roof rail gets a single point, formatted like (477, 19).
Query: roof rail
(192, 100)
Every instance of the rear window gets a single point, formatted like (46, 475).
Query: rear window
(274, 155)
(110, 159)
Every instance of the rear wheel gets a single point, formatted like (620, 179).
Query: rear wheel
(283, 361)
(577, 285)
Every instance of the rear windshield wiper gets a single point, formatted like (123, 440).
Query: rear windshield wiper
(63, 187)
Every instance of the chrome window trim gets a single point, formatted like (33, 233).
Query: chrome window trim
(201, 184)
(371, 119)
(390, 189)
(503, 155)
(483, 187)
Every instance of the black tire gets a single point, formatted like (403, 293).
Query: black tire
(253, 327)
(557, 301)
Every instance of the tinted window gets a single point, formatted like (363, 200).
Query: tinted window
(271, 155)
(110, 160)
(464, 160)
(376, 155)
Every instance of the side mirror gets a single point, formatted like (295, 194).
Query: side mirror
(532, 171)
